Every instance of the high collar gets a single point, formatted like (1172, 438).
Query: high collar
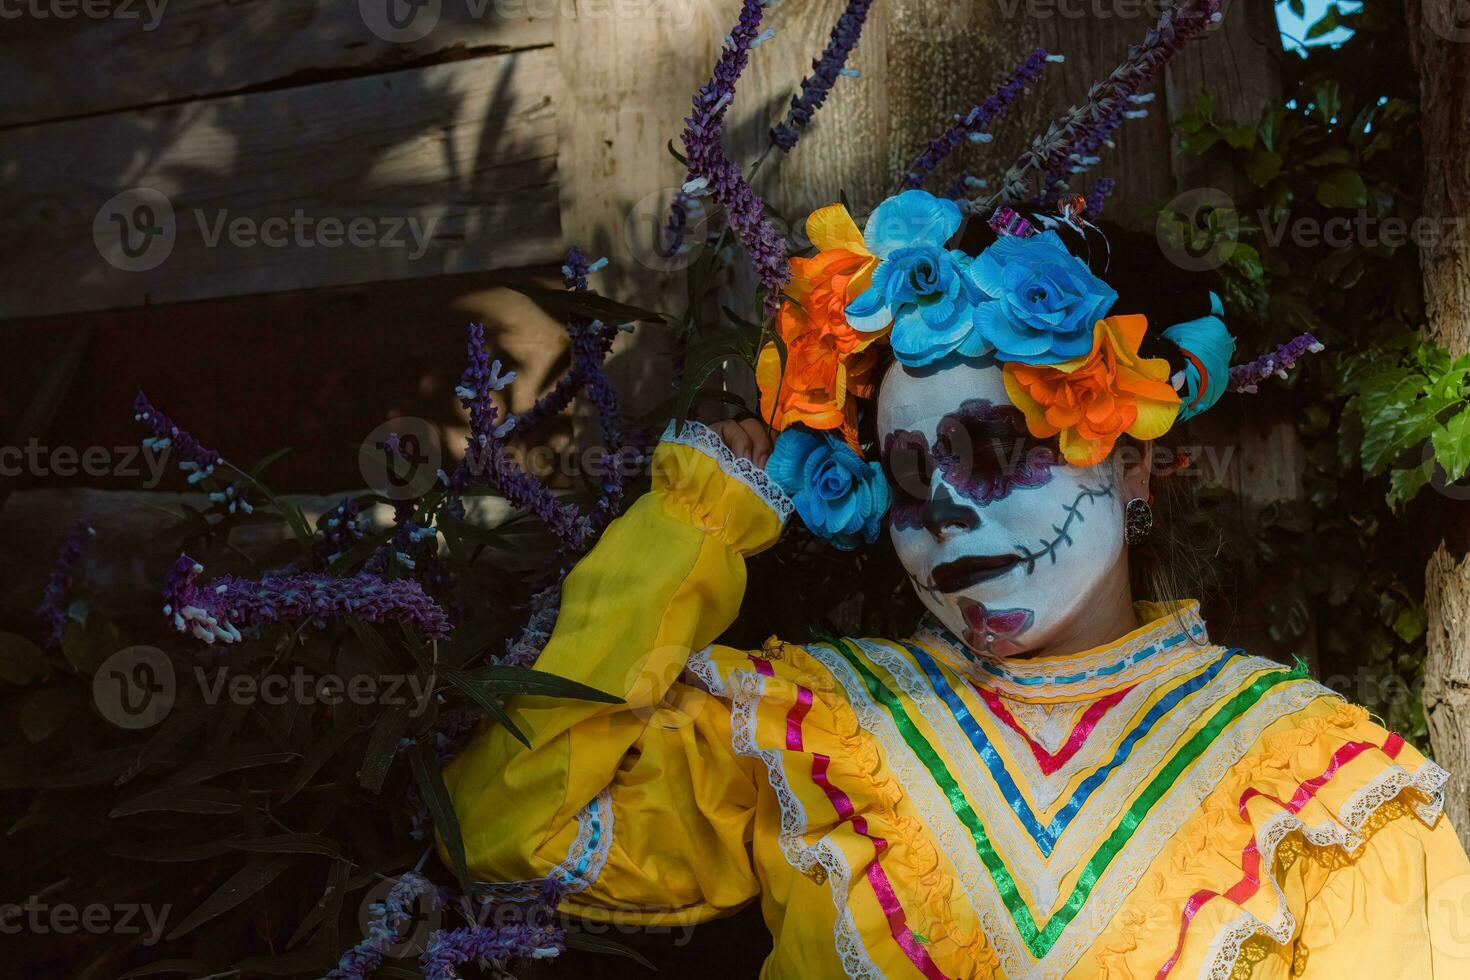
(1170, 633)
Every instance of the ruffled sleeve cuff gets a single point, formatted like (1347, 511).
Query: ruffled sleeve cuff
(697, 476)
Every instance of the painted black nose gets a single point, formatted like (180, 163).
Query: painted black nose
(944, 515)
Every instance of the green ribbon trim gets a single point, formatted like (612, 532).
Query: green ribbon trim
(1039, 940)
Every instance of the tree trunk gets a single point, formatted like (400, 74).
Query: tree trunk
(1441, 49)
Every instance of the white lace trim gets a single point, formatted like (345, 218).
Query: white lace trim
(698, 436)
(1084, 676)
(745, 691)
(582, 865)
(1344, 832)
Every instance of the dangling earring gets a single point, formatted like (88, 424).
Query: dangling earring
(1138, 520)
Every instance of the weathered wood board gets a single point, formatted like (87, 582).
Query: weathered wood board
(420, 172)
(60, 61)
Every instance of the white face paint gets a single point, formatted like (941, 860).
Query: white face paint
(1005, 543)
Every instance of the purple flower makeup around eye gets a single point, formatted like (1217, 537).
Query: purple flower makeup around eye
(985, 452)
(909, 466)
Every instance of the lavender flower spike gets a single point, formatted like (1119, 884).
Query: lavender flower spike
(724, 181)
(50, 612)
(975, 124)
(1070, 143)
(390, 916)
(826, 70)
(488, 947)
(219, 610)
(195, 459)
(1245, 378)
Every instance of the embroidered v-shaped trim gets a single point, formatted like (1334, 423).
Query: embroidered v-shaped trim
(1050, 762)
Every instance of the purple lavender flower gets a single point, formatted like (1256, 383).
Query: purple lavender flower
(1245, 378)
(219, 610)
(486, 461)
(490, 947)
(525, 648)
(339, 529)
(712, 172)
(59, 585)
(1098, 197)
(390, 916)
(826, 70)
(975, 124)
(1070, 143)
(195, 459)
(590, 344)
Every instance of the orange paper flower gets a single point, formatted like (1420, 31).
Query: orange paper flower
(1090, 401)
(828, 363)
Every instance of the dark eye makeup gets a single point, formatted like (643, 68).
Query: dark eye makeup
(984, 451)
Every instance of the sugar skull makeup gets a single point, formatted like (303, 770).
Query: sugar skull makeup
(1004, 542)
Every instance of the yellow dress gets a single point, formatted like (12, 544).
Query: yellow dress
(1159, 807)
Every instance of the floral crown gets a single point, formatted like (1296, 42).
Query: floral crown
(1076, 371)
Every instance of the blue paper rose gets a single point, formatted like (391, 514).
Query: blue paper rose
(840, 496)
(1046, 300)
(923, 289)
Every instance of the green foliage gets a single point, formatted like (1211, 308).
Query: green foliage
(258, 813)
(1322, 241)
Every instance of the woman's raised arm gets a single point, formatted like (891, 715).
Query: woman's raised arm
(641, 810)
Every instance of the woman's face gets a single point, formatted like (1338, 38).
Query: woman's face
(1004, 542)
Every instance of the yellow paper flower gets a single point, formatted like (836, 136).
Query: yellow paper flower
(1090, 401)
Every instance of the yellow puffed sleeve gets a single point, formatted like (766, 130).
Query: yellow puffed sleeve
(1401, 911)
(642, 810)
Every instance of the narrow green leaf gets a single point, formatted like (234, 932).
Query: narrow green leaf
(182, 799)
(503, 679)
(240, 886)
(289, 844)
(44, 711)
(21, 661)
(590, 305)
(383, 746)
(441, 810)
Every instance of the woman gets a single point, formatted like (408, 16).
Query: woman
(1047, 779)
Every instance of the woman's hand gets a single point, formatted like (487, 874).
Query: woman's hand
(747, 438)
